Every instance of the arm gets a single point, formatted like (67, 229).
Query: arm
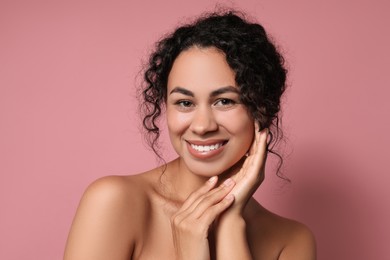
(191, 224)
(231, 239)
(101, 229)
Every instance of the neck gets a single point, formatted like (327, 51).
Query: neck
(180, 182)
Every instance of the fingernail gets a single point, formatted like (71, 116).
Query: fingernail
(213, 179)
(229, 197)
(228, 182)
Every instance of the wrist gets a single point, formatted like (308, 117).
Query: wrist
(231, 238)
(234, 212)
(231, 221)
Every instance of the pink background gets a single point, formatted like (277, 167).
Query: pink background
(67, 114)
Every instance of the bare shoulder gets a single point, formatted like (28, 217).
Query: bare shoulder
(115, 189)
(276, 237)
(301, 243)
(109, 218)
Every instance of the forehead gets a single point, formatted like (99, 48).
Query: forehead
(201, 67)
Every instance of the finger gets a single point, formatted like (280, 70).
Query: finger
(256, 137)
(198, 193)
(257, 164)
(213, 212)
(185, 209)
(254, 164)
(211, 198)
(254, 146)
(262, 142)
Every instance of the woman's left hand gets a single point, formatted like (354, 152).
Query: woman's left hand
(252, 172)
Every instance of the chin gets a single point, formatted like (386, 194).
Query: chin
(215, 168)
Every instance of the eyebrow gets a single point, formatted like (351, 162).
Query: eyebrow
(182, 91)
(215, 93)
(223, 90)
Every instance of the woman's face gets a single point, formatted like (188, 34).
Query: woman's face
(209, 128)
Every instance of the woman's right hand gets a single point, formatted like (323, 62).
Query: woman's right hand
(191, 223)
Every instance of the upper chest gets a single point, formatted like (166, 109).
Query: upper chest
(155, 240)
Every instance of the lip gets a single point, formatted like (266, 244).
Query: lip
(205, 154)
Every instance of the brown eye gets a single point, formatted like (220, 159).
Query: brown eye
(224, 102)
(184, 103)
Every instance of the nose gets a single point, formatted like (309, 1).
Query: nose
(203, 121)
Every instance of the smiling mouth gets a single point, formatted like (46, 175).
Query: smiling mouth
(204, 150)
(207, 148)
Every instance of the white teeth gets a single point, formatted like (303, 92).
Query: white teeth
(206, 148)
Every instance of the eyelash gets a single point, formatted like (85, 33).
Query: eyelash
(183, 103)
(224, 100)
(187, 104)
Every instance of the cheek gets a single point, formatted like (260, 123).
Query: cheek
(241, 126)
(238, 122)
(245, 131)
(177, 122)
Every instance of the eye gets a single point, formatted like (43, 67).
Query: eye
(224, 102)
(184, 105)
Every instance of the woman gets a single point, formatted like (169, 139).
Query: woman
(220, 80)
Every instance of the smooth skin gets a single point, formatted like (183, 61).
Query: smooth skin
(199, 206)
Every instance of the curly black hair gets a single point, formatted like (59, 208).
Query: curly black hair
(259, 69)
